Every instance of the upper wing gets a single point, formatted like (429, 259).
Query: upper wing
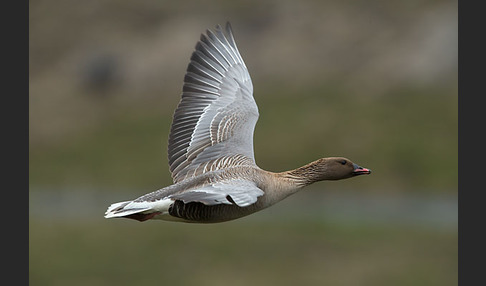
(213, 124)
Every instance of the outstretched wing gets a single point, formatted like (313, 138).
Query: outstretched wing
(213, 124)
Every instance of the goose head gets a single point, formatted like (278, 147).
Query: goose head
(337, 168)
(331, 168)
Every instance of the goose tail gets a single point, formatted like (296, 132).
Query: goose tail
(140, 211)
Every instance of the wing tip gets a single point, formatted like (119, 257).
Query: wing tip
(228, 28)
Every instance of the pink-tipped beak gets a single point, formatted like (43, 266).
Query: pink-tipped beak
(358, 170)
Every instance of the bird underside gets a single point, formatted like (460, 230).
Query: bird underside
(205, 198)
(195, 212)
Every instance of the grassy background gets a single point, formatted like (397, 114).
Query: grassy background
(243, 252)
(375, 82)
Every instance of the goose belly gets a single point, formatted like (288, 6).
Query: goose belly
(197, 212)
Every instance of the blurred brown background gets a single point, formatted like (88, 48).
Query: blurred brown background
(375, 81)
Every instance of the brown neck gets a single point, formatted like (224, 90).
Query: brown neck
(305, 175)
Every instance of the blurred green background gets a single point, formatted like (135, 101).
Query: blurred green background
(374, 81)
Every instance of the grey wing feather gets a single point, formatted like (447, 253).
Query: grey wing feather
(214, 122)
(240, 192)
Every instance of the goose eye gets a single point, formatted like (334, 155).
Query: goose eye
(343, 162)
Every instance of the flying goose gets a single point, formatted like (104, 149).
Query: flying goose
(210, 147)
